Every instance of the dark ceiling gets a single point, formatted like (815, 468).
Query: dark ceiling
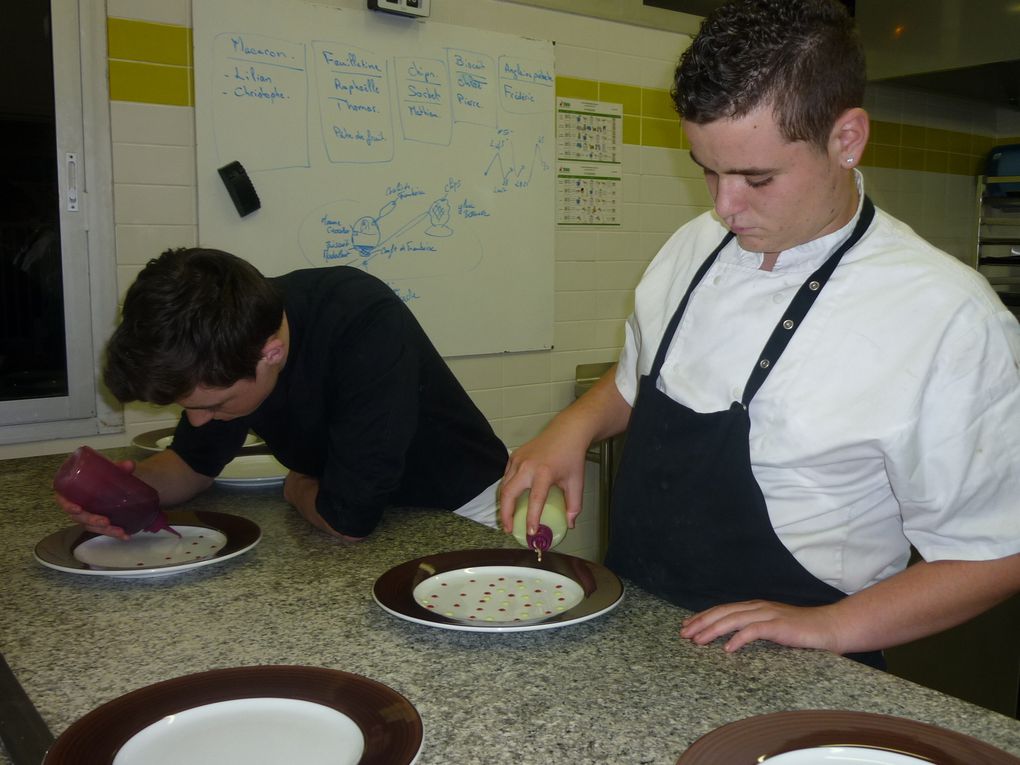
(996, 83)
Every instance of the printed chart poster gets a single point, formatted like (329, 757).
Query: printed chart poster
(589, 172)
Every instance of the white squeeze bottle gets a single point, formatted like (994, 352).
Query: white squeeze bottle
(552, 525)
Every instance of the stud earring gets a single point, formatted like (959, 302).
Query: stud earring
(849, 160)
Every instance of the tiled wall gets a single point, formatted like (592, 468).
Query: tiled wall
(914, 159)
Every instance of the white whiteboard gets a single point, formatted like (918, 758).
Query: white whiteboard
(418, 151)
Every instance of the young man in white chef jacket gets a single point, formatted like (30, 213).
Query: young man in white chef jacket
(809, 388)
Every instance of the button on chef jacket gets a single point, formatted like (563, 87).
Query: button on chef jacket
(893, 417)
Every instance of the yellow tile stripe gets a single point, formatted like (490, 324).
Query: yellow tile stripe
(151, 83)
(146, 41)
(150, 63)
(892, 145)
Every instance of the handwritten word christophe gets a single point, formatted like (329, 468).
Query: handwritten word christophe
(250, 82)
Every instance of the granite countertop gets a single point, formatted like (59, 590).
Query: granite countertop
(620, 688)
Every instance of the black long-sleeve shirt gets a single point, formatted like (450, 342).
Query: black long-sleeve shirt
(364, 403)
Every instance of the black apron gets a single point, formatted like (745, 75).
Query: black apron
(689, 522)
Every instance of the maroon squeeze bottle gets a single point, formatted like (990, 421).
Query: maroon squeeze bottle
(89, 479)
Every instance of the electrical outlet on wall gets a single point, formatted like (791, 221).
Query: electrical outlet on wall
(419, 8)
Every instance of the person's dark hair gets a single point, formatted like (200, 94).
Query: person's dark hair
(192, 317)
(802, 57)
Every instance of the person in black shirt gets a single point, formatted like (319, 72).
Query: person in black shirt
(327, 366)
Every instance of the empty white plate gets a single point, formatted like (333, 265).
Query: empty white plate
(250, 731)
(844, 755)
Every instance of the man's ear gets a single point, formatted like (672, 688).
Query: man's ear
(275, 350)
(850, 137)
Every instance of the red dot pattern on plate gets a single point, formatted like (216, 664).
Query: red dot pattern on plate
(500, 599)
(185, 556)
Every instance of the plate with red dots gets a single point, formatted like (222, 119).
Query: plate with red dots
(499, 590)
(205, 538)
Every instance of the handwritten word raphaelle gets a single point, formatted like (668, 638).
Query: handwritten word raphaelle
(351, 87)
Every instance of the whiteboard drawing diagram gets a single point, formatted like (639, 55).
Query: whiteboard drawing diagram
(421, 153)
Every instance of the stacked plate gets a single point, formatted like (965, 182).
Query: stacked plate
(252, 468)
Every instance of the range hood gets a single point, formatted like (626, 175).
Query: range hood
(961, 48)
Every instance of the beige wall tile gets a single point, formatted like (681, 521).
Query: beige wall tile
(574, 335)
(572, 61)
(478, 372)
(137, 244)
(574, 306)
(152, 124)
(520, 430)
(575, 275)
(489, 402)
(618, 275)
(525, 368)
(161, 11)
(524, 400)
(615, 304)
(152, 164)
(139, 203)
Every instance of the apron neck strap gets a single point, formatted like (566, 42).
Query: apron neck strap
(667, 335)
(801, 304)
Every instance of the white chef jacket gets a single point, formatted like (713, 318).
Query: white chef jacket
(893, 416)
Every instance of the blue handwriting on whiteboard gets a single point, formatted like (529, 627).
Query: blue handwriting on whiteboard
(368, 86)
(351, 61)
(239, 46)
(504, 166)
(365, 240)
(404, 293)
(361, 136)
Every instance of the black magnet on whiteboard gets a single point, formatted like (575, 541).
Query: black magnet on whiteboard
(240, 188)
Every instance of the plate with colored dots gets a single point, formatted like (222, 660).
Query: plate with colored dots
(501, 590)
(206, 538)
(498, 594)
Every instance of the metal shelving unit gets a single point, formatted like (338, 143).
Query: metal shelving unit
(998, 238)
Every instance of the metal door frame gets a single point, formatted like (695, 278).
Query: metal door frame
(85, 176)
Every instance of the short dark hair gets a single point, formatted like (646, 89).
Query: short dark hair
(192, 317)
(802, 57)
